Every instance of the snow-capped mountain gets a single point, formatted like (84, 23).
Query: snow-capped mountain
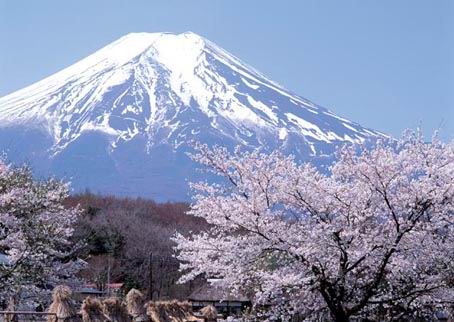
(121, 120)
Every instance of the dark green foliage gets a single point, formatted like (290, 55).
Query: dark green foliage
(92, 211)
(105, 242)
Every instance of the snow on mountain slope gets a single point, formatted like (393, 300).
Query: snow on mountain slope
(149, 90)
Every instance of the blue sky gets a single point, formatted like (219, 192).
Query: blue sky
(387, 64)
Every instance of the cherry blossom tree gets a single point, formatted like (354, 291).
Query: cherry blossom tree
(35, 231)
(373, 239)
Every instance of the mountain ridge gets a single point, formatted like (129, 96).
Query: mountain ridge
(147, 92)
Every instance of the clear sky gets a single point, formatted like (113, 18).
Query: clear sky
(388, 64)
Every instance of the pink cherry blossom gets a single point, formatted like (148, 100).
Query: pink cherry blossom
(35, 229)
(373, 238)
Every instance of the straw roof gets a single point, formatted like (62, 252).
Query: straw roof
(170, 311)
(209, 312)
(12, 305)
(214, 293)
(135, 303)
(92, 310)
(62, 306)
(115, 310)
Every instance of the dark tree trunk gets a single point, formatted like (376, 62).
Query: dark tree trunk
(333, 302)
(340, 316)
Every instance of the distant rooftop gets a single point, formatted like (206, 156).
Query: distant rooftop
(212, 293)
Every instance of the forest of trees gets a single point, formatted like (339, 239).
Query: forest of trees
(121, 236)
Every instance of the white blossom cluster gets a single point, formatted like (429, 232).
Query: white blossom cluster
(35, 229)
(373, 238)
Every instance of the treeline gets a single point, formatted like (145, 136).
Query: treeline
(127, 240)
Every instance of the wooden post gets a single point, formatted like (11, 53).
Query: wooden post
(150, 281)
(108, 275)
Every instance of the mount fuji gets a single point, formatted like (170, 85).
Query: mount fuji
(122, 120)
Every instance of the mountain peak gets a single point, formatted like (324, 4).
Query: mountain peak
(150, 90)
(147, 38)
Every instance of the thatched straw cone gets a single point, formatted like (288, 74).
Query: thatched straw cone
(135, 303)
(62, 306)
(170, 311)
(115, 310)
(209, 313)
(12, 305)
(92, 310)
